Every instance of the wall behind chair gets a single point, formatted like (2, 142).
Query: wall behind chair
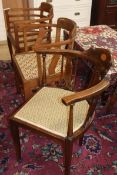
(2, 24)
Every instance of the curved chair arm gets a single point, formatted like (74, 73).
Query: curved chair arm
(85, 94)
(86, 55)
(39, 45)
(101, 57)
(65, 52)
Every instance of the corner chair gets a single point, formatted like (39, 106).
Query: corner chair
(61, 114)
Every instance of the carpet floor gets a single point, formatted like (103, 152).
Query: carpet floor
(40, 156)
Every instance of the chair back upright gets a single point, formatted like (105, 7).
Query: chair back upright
(20, 25)
(102, 64)
(98, 58)
(70, 27)
(56, 64)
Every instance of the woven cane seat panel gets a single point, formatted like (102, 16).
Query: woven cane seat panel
(46, 110)
(29, 67)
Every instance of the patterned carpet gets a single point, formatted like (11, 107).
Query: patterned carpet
(40, 156)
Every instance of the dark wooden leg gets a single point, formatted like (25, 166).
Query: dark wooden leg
(16, 139)
(111, 102)
(10, 47)
(17, 79)
(18, 84)
(68, 156)
(81, 140)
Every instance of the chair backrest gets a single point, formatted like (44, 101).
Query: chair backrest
(98, 58)
(46, 9)
(18, 22)
(101, 62)
(58, 42)
(69, 26)
(58, 39)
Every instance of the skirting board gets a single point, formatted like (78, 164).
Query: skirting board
(3, 43)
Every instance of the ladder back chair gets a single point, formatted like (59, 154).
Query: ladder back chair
(18, 22)
(29, 72)
(61, 114)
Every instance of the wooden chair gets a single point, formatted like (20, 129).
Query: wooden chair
(25, 64)
(18, 22)
(61, 114)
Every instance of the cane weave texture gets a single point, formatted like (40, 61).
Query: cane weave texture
(29, 67)
(46, 110)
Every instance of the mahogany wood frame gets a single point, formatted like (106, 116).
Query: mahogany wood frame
(101, 60)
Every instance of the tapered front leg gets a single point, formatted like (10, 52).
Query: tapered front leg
(68, 155)
(81, 140)
(112, 100)
(16, 139)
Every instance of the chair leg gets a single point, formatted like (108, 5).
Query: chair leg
(18, 83)
(68, 156)
(10, 47)
(111, 102)
(81, 140)
(27, 91)
(15, 134)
